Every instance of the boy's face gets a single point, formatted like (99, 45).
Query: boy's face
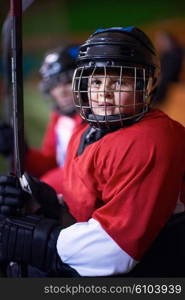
(63, 96)
(111, 96)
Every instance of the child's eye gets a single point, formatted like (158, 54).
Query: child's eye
(121, 81)
(96, 82)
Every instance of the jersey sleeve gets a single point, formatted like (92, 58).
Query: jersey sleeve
(88, 249)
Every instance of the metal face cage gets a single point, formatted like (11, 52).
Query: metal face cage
(112, 96)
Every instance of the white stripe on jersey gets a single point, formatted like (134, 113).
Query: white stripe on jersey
(64, 129)
(87, 248)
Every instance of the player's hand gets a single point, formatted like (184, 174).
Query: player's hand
(12, 196)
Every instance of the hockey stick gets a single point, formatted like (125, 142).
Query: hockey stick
(17, 92)
(17, 85)
(12, 73)
(14, 24)
(6, 37)
(17, 88)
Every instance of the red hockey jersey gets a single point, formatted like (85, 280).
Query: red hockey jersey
(130, 180)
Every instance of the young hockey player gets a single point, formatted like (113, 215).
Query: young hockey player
(122, 179)
(56, 72)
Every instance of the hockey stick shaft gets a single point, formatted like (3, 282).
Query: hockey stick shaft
(17, 85)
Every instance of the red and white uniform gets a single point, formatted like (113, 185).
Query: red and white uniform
(47, 162)
(122, 190)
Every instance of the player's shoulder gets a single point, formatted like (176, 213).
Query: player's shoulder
(155, 136)
(156, 123)
(160, 125)
(155, 128)
(158, 117)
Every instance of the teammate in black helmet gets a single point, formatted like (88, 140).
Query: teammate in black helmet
(57, 71)
(123, 175)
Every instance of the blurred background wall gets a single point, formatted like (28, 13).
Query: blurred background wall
(50, 23)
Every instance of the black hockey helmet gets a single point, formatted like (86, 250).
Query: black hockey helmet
(58, 66)
(126, 51)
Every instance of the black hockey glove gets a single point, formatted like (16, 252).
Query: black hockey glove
(6, 139)
(12, 196)
(32, 240)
